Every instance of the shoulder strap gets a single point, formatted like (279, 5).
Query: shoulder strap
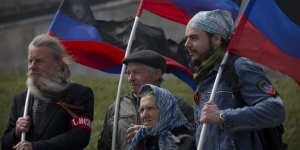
(230, 76)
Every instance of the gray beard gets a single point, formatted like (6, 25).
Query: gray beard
(42, 87)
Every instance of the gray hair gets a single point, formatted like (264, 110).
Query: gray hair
(57, 51)
(151, 72)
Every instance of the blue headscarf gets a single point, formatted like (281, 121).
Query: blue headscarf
(170, 117)
(215, 21)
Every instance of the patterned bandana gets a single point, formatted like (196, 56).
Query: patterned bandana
(170, 117)
(216, 21)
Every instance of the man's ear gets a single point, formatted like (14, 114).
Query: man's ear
(158, 74)
(216, 40)
(59, 65)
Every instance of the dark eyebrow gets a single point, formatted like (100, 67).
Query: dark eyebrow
(191, 36)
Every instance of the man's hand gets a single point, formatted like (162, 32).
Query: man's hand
(22, 125)
(25, 145)
(210, 114)
(131, 131)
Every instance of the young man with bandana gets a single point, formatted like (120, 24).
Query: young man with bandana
(59, 112)
(230, 125)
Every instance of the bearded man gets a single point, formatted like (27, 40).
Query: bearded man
(237, 113)
(59, 112)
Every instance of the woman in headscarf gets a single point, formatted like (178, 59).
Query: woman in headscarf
(164, 125)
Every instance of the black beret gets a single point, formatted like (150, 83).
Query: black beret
(147, 57)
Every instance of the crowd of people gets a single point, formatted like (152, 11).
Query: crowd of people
(60, 112)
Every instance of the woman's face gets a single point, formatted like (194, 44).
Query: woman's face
(149, 112)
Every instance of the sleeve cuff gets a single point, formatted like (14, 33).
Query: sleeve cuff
(227, 122)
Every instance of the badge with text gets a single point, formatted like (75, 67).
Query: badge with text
(81, 122)
(197, 96)
(266, 87)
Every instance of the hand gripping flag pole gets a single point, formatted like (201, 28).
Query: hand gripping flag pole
(216, 83)
(117, 106)
(23, 135)
(212, 96)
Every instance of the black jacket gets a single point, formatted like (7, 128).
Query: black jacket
(53, 129)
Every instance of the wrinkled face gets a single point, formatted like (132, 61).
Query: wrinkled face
(138, 75)
(149, 112)
(41, 62)
(197, 42)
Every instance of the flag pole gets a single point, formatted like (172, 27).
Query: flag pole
(23, 134)
(216, 83)
(212, 96)
(117, 105)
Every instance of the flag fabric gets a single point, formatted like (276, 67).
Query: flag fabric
(181, 11)
(101, 44)
(268, 33)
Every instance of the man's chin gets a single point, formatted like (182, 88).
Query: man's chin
(41, 86)
(33, 73)
(194, 61)
(194, 58)
(33, 88)
(135, 89)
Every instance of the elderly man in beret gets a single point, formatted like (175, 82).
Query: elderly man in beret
(143, 67)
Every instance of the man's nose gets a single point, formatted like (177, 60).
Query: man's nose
(31, 65)
(145, 114)
(187, 43)
(131, 76)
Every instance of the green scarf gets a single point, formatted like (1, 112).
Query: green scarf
(213, 58)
